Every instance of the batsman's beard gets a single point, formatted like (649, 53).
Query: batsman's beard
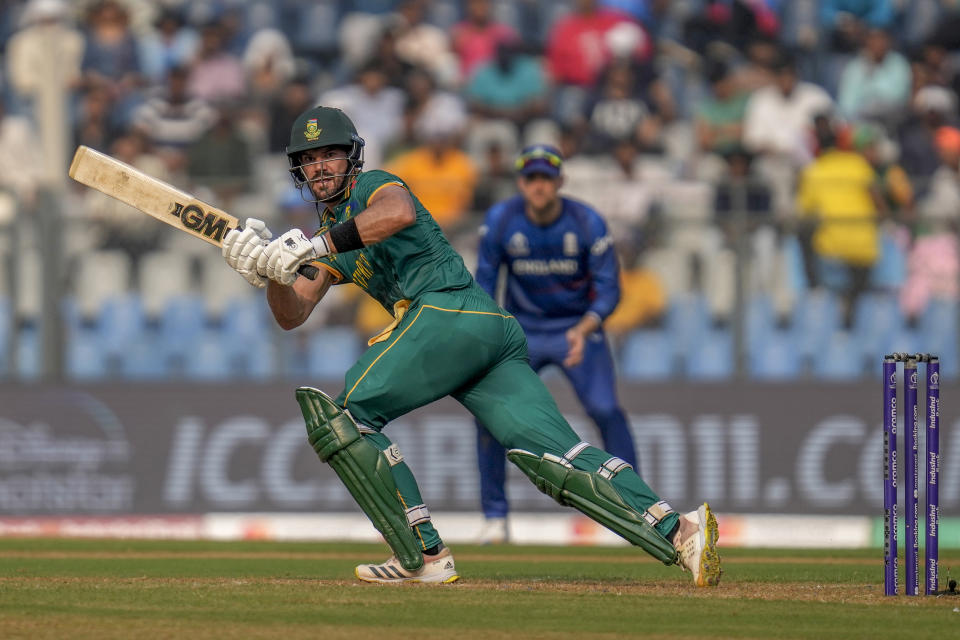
(327, 186)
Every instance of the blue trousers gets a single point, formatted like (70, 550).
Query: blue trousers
(594, 383)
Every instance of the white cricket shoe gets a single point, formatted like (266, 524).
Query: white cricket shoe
(698, 549)
(436, 569)
(494, 531)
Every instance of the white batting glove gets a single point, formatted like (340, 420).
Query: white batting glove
(241, 249)
(281, 258)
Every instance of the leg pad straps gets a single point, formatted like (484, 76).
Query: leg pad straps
(594, 495)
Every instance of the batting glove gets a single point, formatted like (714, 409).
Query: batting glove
(242, 248)
(281, 258)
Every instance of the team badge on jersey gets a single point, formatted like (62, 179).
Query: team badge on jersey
(518, 245)
(313, 131)
(570, 245)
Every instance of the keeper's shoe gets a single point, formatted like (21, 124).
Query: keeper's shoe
(438, 569)
(698, 550)
(494, 531)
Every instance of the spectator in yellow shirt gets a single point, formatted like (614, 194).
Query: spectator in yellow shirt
(441, 174)
(837, 198)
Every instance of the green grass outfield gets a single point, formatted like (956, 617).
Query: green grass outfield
(160, 589)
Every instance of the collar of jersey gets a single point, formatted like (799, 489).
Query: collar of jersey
(343, 198)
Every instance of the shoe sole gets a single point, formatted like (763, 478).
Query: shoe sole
(710, 570)
(447, 580)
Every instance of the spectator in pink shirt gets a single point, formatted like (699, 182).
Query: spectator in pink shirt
(475, 39)
(217, 75)
(577, 49)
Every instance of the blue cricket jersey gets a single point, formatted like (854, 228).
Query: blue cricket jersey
(555, 273)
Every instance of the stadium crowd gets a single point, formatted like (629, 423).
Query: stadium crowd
(791, 166)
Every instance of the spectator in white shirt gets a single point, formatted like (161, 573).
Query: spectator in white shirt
(779, 117)
(777, 129)
(875, 84)
(375, 108)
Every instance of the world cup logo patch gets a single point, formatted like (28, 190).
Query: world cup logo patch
(313, 131)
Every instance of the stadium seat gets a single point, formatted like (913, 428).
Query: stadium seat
(181, 324)
(209, 360)
(719, 278)
(240, 346)
(221, 286)
(686, 321)
(119, 325)
(164, 275)
(687, 207)
(144, 360)
(938, 330)
(672, 267)
(252, 359)
(29, 352)
(648, 354)
(793, 260)
(83, 357)
(816, 317)
(246, 318)
(100, 276)
(29, 302)
(841, 357)
(760, 320)
(890, 270)
(833, 273)
(773, 355)
(710, 357)
(877, 318)
(84, 360)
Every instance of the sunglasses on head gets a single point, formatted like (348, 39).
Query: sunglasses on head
(538, 154)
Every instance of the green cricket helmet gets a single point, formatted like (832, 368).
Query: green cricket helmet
(323, 127)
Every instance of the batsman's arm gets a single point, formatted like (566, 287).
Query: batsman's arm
(291, 306)
(388, 211)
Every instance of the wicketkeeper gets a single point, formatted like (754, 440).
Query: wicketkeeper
(448, 337)
(562, 281)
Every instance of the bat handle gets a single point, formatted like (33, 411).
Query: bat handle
(308, 271)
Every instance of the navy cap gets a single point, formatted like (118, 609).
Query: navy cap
(539, 158)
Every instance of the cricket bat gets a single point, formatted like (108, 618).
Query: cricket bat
(156, 198)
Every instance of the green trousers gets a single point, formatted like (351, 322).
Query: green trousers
(460, 343)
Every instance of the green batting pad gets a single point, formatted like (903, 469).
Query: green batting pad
(363, 469)
(596, 497)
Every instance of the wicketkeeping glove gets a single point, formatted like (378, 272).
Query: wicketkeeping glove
(242, 248)
(280, 259)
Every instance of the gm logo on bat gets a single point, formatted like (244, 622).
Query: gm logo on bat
(193, 217)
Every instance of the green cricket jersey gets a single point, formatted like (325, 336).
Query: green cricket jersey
(414, 261)
(452, 340)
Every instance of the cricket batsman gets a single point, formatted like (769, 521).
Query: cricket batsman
(448, 337)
